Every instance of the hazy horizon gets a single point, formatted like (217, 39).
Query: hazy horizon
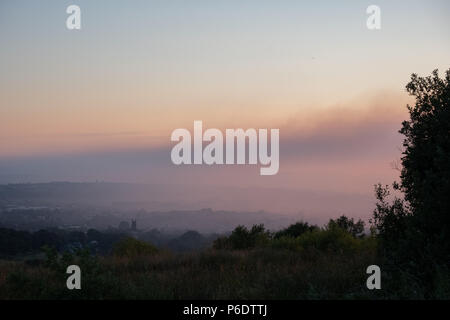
(99, 104)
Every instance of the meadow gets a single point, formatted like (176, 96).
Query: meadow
(319, 264)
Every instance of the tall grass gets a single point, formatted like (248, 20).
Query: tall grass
(327, 263)
(317, 265)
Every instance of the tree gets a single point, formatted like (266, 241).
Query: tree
(295, 230)
(415, 230)
(356, 229)
(425, 174)
(242, 238)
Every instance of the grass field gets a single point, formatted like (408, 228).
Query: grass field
(249, 274)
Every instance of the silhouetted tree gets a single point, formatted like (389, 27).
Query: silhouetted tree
(295, 230)
(243, 238)
(415, 231)
(356, 229)
(425, 175)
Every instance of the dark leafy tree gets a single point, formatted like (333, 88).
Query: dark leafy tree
(356, 229)
(425, 175)
(243, 238)
(295, 230)
(415, 231)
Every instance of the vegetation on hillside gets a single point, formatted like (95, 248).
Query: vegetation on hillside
(320, 264)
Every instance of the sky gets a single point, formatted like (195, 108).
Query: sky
(100, 103)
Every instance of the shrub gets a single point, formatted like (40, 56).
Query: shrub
(295, 230)
(130, 247)
(356, 229)
(242, 238)
(332, 239)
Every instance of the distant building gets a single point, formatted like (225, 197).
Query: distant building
(133, 225)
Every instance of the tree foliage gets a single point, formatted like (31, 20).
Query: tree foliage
(356, 229)
(295, 230)
(425, 175)
(130, 247)
(243, 238)
(415, 229)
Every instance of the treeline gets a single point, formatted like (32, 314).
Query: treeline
(14, 242)
(301, 261)
(342, 234)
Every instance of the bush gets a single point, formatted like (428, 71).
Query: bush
(332, 239)
(242, 238)
(130, 247)
(356, 229)
(295, 230)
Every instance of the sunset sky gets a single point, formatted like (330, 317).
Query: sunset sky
(100, 103)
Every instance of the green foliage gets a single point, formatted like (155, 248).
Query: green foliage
(300, 237)
(295, 230)
(130, 247)
(59, 262)
(15, 243)
(331, 239)
(425, 175)
(390, 219)
(242, 238)
(259, 273)
(414, 232)
(356, 229)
